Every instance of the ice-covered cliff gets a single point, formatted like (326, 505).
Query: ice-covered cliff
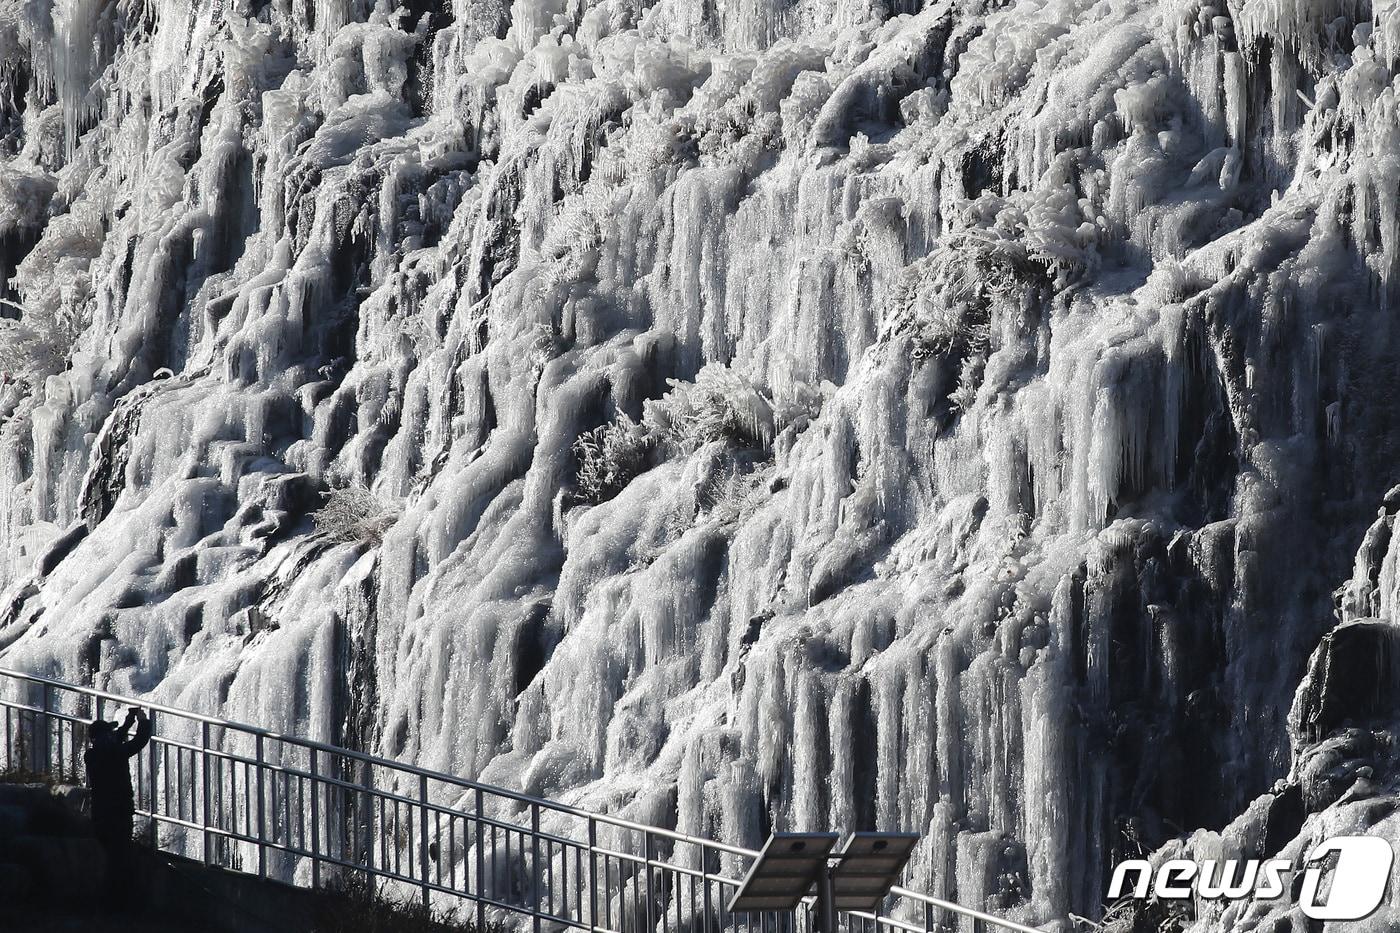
(1344, 780)
(768, 413)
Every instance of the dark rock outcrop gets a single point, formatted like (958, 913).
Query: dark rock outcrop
(1354, 675)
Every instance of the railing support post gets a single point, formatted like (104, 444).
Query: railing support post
(367, 838)
(480, 863)
(647, 850)
(46, 747)
(592, 873)
(206, 811)
(315, 823)
(707, 906)
(423, 840)
(535, 863)
(262, 813)
(153, 826)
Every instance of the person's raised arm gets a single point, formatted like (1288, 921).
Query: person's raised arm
(143, 733)
(121, 732)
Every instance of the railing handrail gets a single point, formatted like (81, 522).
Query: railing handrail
(477, 787)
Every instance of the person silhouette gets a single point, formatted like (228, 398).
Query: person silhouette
(112, 801)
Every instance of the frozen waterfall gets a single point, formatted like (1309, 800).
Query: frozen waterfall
(950, 416)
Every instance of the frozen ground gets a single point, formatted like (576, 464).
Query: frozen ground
(765, 413)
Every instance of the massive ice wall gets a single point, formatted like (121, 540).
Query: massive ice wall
(952, 417)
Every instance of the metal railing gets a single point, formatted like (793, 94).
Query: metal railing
(316, 815)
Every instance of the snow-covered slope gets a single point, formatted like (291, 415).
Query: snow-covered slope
(769, 413)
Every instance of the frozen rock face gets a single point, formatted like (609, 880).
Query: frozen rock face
(1344, 779)
(756, 415)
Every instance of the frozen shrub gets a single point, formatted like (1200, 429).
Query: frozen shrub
(610, 456)
(731, 492)
(720, 405)
(354, 514)
(954, 303)
(40, 330)
(969, 381)
(37, 345)
(946, 300)
(24, 196)
(1012, 253)
(952, 329)
(802, 404)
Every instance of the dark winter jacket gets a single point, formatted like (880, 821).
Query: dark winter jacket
(109, 776)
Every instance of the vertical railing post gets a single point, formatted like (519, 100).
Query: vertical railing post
(367, 837)
(206, 811)
(262, 812)
(423, 840)
(480, 863)
(47, 702)
(315, 823)
(96, 711)
(535, 863)
(152, 827)
(593, 873)
(706, 905)
(647, 850)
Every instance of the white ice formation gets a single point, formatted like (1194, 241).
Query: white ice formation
(768, 413)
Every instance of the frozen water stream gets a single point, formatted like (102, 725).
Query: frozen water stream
(952, 417)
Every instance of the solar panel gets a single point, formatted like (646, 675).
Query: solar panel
(870, 865)
(784, 872)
